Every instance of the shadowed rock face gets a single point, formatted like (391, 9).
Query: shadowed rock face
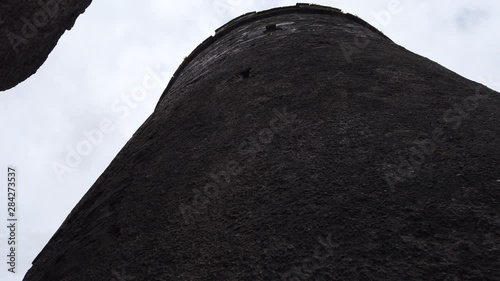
(29, 30)
(297, 144)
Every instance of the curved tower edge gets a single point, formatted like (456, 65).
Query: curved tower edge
(254, 16)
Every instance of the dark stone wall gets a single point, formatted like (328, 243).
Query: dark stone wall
(29, 31)
(299, 144)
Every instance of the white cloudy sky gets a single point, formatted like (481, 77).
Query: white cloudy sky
(114, 46)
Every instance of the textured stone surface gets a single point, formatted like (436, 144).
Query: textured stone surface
(282, 154)
(29, 31)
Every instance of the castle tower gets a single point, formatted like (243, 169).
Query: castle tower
(297, 143)
(30, 29)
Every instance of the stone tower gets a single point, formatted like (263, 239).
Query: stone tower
(297, 143)
(29, 31)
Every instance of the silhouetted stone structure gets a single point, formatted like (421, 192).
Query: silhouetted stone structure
(297, 144)
(29, 30)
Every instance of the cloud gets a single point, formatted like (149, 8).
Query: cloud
(468, 18)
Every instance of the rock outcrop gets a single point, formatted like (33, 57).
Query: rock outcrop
(29, 31)
(297, 143)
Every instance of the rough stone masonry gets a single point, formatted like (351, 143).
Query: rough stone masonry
(29, 31)
(351, 189)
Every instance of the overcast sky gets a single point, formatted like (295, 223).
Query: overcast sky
(93, 80)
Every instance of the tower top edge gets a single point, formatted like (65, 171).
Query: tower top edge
(255, 16)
